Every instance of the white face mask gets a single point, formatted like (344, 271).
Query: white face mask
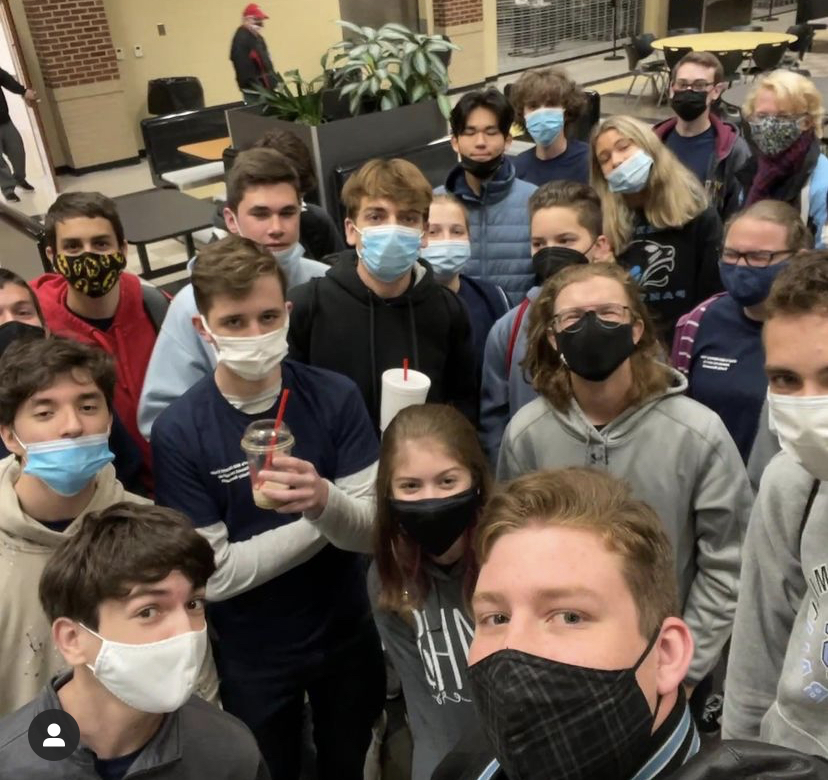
(251, 357)
(154, 677)
(802, 427)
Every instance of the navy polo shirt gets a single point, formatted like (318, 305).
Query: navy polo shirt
(727, 372)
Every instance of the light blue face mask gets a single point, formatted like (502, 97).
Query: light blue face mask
(389, 251)
(632, 175)
(447, 258)
(545, 125)
(67, 465)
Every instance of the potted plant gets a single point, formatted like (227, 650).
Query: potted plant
(394, 66)
(394, 83)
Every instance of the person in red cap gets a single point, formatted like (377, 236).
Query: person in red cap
(250, 56)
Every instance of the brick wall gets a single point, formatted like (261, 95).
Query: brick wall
(450, 13)
(72, 41)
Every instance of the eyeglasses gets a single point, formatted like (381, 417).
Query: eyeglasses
(610, 315)
(680, 85)
(757, 259)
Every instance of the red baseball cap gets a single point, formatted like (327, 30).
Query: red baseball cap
(253, 10)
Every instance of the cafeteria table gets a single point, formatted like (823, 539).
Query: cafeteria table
(722, 41)
(206, 150)
(156, 214)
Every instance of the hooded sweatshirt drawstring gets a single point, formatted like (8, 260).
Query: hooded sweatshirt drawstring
(375, 380)
(413, 324)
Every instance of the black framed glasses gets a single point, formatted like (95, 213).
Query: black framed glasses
(755, 259)
(700, 85)
(610, 315)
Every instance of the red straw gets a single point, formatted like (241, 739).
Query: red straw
(405, 369)
(278, 424)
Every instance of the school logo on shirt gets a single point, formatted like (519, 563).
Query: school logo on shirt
(231, 473)
(713, 363)
(442, 656)
(815, 676)
(652, 265)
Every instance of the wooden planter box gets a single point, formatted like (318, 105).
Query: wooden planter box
(345, 143)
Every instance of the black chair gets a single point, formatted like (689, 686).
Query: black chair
(683, 31)
(644, 45)
(804, 40)
(731, 60)
(766, 57)
(653, 76)
(170, 95)
(746, 28)
(582, 127)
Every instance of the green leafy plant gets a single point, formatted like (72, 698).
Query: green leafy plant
(294, 99)
(391, 66)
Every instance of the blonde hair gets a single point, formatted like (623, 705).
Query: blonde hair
(799, 91)
(673, 195)
(594, 501)
(550, 375)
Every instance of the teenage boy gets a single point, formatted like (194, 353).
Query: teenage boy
(125, 600)
(263, 204)
(374, 310)
(496, 199)
(20, 318)
(56, 401)
(777, 676)
(289, 609)
(92, 299)
(547, 103)
(566, 228)
(710, 147)
(578, 656)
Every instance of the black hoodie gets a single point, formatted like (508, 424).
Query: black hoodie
(340, 324)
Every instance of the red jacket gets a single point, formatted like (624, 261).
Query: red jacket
(129, 340)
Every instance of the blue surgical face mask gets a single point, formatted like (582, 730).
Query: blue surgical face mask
(632, 175)
(389, 251)
(447, 258)
(746, 285)
(545, 125)
(67, 465)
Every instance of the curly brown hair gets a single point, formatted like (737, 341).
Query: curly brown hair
(550, 375)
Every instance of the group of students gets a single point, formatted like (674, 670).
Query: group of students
(565, 623)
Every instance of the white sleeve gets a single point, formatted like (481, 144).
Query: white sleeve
(348, 518)
(242, 566)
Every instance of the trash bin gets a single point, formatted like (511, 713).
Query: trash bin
(176, 93)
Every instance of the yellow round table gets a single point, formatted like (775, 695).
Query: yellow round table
(722, 41)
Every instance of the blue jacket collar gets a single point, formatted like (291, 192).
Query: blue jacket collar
(492, 191)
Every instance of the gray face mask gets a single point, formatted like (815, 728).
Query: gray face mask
(774, 134)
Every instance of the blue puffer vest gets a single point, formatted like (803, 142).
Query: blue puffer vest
(499, 221)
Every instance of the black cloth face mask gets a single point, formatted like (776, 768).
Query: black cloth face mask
(482, 169)
(596, 348)
(549, 260)
(689, 105)
(548, 719)
(436, 523)
(13, 330)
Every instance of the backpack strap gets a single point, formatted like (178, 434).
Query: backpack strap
(513, 336)
(808, 505)
(156, 303)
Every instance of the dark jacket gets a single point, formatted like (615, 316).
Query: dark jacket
(251, 60)
(196, 742)
(339, 324)
(730, 760)
(9, 82)
(731, 157)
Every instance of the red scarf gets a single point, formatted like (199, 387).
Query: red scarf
(771, 170)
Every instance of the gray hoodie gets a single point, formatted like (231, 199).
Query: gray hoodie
(678, 457)
(430, 653)
(777, 676)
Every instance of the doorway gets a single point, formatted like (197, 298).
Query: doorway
(39, 169)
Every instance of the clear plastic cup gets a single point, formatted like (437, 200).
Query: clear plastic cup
(258, 442)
